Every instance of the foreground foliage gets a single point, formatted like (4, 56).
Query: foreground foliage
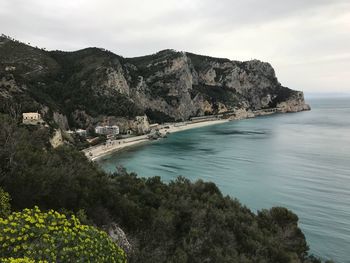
(176, 222)
(51, 237)
(21, 260)
(5, 207)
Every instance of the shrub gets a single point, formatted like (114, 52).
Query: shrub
(21, 260)
(52, 237)
(5, 207)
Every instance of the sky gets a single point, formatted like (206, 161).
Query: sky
(306, 41)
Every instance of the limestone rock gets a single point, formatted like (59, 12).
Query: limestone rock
(118, 236)
(116, 80)
(140, 125)
(294, 104)
(57, 139)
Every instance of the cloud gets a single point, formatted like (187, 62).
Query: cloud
(299, 38)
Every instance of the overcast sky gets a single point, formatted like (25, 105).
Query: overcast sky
(306, 41)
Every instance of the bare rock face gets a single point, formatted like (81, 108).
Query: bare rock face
(140, 125)
(118, 236)
(115, 80)
(181, 85)
(294, 104)
(8, 86)
(208, 77)
(167, 87)
(243, 114)
(57, 139)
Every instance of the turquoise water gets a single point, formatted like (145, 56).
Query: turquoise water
(300, 161)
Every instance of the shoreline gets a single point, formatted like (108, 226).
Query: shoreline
(96, 152)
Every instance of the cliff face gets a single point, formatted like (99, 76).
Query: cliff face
(183, 85)
(294, 103)
(90, 83)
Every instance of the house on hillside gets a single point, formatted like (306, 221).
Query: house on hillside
(33, 118)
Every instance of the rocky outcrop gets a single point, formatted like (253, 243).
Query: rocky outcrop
(140, 125)
(294, 103)
(8, 86)
(240, 114)
(118, 236)
(56, 140)
(115, 80)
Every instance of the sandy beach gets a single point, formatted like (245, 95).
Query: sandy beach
(186, 126)
(98, 151)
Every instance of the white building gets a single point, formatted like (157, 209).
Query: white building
(107, 130)
(32, 118)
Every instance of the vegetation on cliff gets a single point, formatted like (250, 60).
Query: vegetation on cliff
(181, 221)
(91, 83)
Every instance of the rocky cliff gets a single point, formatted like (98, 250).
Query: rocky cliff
(88, 84)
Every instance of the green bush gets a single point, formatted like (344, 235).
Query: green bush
(52, 237)
(5, 207)
(21, 260)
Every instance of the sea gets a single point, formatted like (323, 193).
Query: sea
(297, 160)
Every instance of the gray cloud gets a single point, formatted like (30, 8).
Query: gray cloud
(308, 42)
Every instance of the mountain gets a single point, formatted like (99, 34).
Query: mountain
(82, 87)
